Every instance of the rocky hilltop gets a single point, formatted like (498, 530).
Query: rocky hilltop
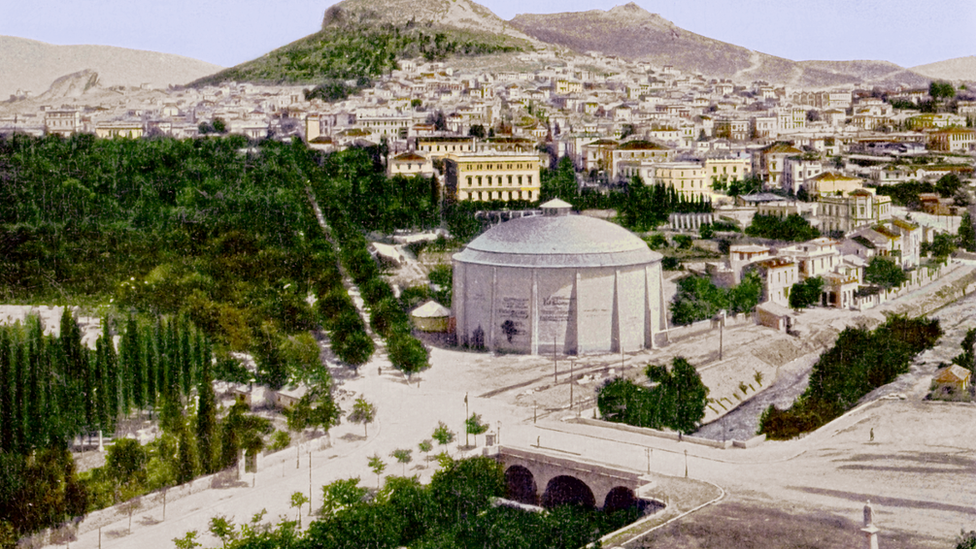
(31, 66)
(958, 69)
(362, 39)
(632, 33)
(460, 14)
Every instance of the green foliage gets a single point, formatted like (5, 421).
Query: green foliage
(747, 186)
(967, 234)
(442, 434)
(967, 359)
(241, 432)
(677, 401)
(940, 89)
(474, 426)
(706, 231)
(683, 241)
(279, 441)
(794, 228)
(644, 207)
(377, 465)
(340, 495)
(39, 490)
(657, 241)
(966, 540)
(884, 272)
(806, 293)
(355, 51)
(907, 193)
(699, 299)
(316, 409)
(859, 362)
(559, 182)
(942, 245)
(363, 412)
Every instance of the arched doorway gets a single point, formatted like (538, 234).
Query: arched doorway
(619, 498)
(520, 485)
(567, 490)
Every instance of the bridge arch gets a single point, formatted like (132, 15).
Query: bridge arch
(567, 490)
(619, 498)
(520, 485)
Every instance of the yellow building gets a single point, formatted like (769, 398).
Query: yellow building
(832, 184)
(727, 169)
(637, 151)
(952, 140)
(687, 178)
(492, 176)
(111, 130)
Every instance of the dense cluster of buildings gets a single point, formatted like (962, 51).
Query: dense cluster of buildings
(486, 135)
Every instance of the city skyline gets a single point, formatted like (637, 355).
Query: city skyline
(228, 34)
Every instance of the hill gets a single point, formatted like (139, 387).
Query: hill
(362, 39)
(32, 66)
(958, 69)
(632, 33)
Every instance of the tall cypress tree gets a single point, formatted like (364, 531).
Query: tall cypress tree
(207, 439)
(34, 405)
(6, 394)
(112, 379)
(150, 357)
(130, 356)
(19, 388)
(186, 356)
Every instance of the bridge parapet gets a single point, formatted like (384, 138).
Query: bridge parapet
(537, 475)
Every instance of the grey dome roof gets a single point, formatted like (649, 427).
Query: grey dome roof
(558, 241)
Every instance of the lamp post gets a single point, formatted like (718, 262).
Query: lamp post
(720, 317)
(572, 364)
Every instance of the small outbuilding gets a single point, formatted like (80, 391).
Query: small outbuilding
(431, 317)
(774, 315)
(955, 378)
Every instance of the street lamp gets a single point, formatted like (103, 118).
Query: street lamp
(720, 317)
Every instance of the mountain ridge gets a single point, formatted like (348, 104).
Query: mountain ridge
(31, 65)
(633, 33)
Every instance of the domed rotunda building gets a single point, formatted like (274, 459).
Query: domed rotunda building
(560, 283)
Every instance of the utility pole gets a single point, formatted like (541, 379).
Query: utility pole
(465, 418)
(554, 368)
(572, 364)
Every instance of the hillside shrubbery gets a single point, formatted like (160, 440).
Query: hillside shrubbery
(860, 361)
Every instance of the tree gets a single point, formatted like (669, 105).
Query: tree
(378, 466)
(474, 426)
(744, 296)
(687, 391)
(806, 293)
(297, 500)
(706, 231)
(187, 463)
(130, 507)
(222, 529)
(967, 359)
(208, 442)
(941, 247)
(188, 541)
(426, 446)
(363, 412)
(940, 89)
(477, 130)
(560, 182)
(884, 272)
(402, 455)
(341, 495)
(967, 234)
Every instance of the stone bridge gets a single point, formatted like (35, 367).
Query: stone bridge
(540, 477)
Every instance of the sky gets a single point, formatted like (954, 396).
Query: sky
(906, 32)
